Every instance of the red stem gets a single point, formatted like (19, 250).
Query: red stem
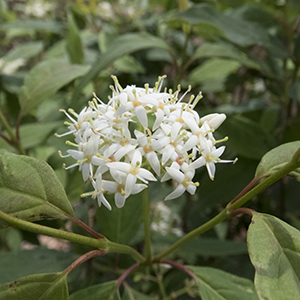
(180, 267)
(126, 273)
(82, 259)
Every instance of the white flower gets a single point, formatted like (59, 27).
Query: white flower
(133, 172)
(209, 157)
(98, 192)
(118, 188)
(184, 182)
(114, 139)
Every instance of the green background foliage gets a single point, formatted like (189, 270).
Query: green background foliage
(243, 55)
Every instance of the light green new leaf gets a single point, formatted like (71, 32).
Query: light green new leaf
(30, 190)
(106, 290)
(73, 42)
(274, 248)
(45, 79)
(276, 158)
(216, 284)
(51, 286)
(121, 46)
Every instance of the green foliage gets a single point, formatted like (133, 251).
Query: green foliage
(274, 248)
(30, 189)
(244, 56)
(50, 286)
(218, 285)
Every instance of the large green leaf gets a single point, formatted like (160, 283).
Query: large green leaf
(132, 294)
(51, 286)
(274, 248)
(237, 30)
(121, 46)
(121, 224)
(276, 158)
(24, 51)
(216, 284)
(45, 79)
(30, 190)
(103, 291)
(208, 50)
(27, 262)
(246, 137)
(73, 42)
(214, 68)
(38, 25)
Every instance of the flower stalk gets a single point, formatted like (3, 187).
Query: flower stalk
(146, 226)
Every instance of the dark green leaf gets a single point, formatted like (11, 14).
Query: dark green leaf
(30, 190)
(52, 286)
(122, 45)
(274, 248)
(216, 284)
(121, 224)
(246, 137)
(45, 79)
(105, 291)
(73, 42)
(128, 64)
(237, 30)
(276, 158)
(27, 262)
(132, 294)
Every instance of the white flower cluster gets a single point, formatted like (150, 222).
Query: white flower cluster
(140, 135)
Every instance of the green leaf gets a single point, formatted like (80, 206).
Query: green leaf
(27, 262)
(274, 248)
(132, 294)
(32, 135)
(237, 30)
(276, 158)
(52, 286)
(121, 224)
(216, 284)
(73, 42)
(128, 64)
(214, 68)
(30, 190)
(208, 50)
(37, 25)
(45, 79)
(246, 137)
(121, 46)
(24, 51)
(103, 291)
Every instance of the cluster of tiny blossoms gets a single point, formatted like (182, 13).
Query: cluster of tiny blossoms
(119, 151)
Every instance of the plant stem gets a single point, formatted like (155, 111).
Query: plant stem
(56, 233)
(82, 259)
(102, 243)
(146, 226)
(201, 229)
(225, 213)
(119, 248)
